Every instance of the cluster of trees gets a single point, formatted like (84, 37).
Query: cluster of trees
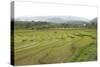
(47, 25)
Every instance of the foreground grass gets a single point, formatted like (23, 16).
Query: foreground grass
(54, 46)
(87, 53)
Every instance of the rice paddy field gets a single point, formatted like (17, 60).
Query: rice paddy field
(54, 46)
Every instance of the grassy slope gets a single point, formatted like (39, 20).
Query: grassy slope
(87, 53)
(53, 46)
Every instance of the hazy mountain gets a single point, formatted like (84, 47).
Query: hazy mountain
(94, 20)
(55, 19)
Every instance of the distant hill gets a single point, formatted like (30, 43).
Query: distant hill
(55, 19)
(94, 20)
(54, 22)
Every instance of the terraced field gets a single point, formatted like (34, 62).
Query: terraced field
(54, 46)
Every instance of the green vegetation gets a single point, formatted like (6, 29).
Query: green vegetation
(41, 42)
(54, 45)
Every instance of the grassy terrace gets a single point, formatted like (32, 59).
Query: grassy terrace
(54, 45)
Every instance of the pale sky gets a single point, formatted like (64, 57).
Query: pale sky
(27, 9)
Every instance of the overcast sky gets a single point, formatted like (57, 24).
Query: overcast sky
(28, 9)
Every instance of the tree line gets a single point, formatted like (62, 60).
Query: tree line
(47, 25)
